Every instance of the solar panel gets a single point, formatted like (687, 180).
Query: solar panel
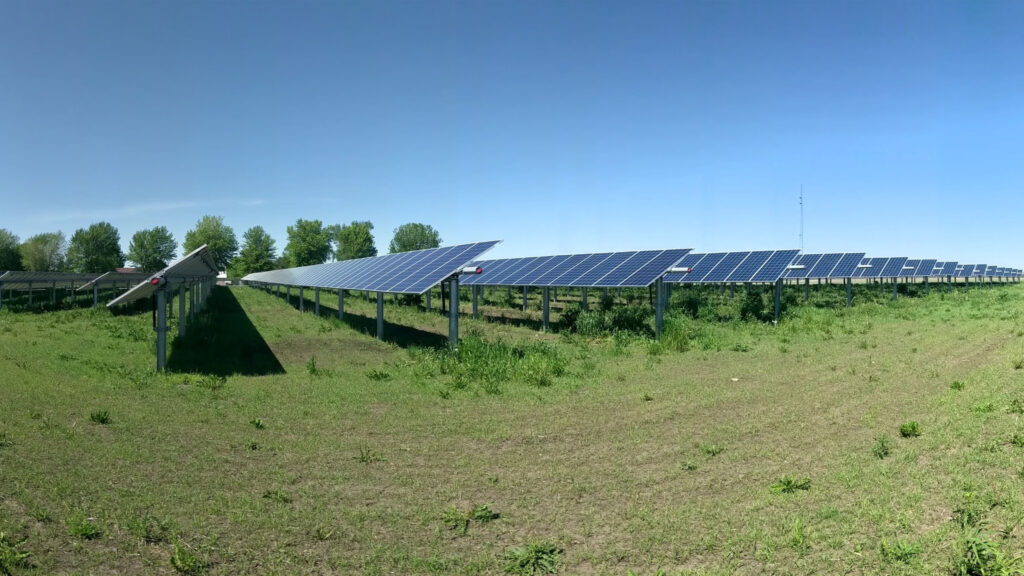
(966, 271)
(893, 267)
(116, 278)
(402, 273)
(805, 263)
(925, 268)
(909, 268)
(21, 279)
(870, 267)
(740, 267)
(637, 269)
(194, 266)
(979, 270)
(949, 268)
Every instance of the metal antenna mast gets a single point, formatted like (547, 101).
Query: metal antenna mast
(801, 218)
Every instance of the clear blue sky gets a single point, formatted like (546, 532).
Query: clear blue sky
(555, 126)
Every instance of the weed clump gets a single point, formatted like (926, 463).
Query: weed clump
(533, 558)
(1016, 406)
(493, 365)
(899, 550)
(459, 520)
(711, 449)
(187, 562)
(257, 423)
(882, 447)
(957, 385)
(368, 455)
(789, 484)
(376, 375)
(975, 554)
(5, 440)
(100, 417)
(12, 555)
(84, 528)
(277, 495)
(910, 429)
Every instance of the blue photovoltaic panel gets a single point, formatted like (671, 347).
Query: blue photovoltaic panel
(403, 273)
(739, 267)
(870, 267)
(967, 271)
(979, 269)
(637, 269)
(909, 268)
(750, 266)
(774, 267)
(806, 263)
(721, 271)
(893, 267)
(825, 266)
(847, 265)
(949, 268)
(926, 268)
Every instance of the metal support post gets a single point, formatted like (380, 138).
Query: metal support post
(732, 290)
(927, 289)
(95, 295)
(453, 315)
(29, 294)
(191, 301)
(546, 306)
(476, 291)
(1, 296)
(302, 298)
(895, 288)
(53, 294)
(778, 299)
(659, 308)
(967, 283)
(555, 289)
(849, 292)
(428, 297)
(807, 289)
(524, 297)
(288, 295)
(161, 329)
(583, 302)
(181, 311)
(316, 301)
(380, 315)
(341, 303)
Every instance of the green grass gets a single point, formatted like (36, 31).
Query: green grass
(602, 453)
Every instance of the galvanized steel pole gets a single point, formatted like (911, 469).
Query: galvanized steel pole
(380, 315)
(453, 313)
(161, 329)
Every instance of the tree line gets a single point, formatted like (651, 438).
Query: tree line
(98, 247)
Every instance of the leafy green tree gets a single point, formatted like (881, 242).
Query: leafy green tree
(44, 252)
(219, 237)
(414, 236)
(353, 240)
(257, 253)
(95, 249)
(10, 256)
(308, 243)
(152, 249)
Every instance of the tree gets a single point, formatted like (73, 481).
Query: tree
(414, 236)
(308, 243)
(44, 252)
(152, 249)
(257, 253)
(95, 249)
(217, 236)
(353, 240)
(10, 256)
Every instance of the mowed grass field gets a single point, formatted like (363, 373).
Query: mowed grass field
(301, 445)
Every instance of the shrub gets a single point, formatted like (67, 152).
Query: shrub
(910, 429)
(789, 485)
(533, 558)
(100, 417)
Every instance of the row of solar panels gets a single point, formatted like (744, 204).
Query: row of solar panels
(23, 280)
(416, 272)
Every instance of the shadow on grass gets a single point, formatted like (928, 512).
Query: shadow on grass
(398, 334)
(222, 341)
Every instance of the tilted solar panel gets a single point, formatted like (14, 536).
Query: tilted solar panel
(750, 266)
(402, 273)
(926, 268)
(635, 269)
(893, 267)
(909, 268)
(949, 268)
(805, 263)
(847, 265)
(737, 267)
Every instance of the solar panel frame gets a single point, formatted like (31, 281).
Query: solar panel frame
(195, 266)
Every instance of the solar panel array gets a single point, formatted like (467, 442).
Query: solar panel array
(21, 280)
(402, 273)
(636, 269)
(881, 267)
(739, 267)
(116, 278)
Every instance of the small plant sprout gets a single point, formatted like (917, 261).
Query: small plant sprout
(1016, 406)
(84, 528)
(899, 550)
(277, 495)
(910, 429)
(100, 417)
(533, 558)
(257, 424)
(789, 484)
(1018, 363)
(689, 465)
(647, 398)
(376, 375)
(12, 555)
(957, 385)
(5, 440)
